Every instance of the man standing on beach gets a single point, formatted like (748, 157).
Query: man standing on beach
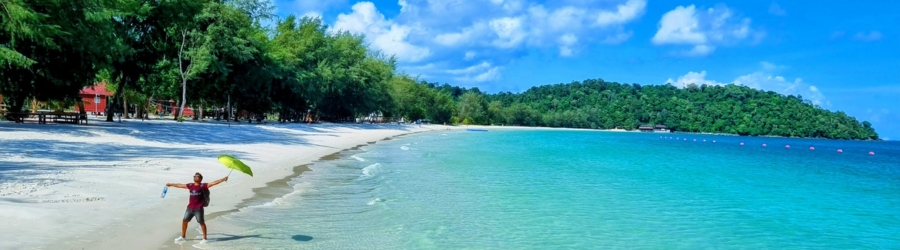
(195, 203)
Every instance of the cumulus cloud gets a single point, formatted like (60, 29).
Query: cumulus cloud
(497, 32)
(765, 79)
(385, 35)
(692, 78)
(624, 13)
(703, 30)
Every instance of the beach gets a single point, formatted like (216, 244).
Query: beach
(98, 186)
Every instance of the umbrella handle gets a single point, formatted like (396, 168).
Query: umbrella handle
(229, 173)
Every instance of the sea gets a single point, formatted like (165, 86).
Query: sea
(582, 189)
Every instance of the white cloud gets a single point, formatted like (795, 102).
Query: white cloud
(481, 72)
(471, 69)
(383, 34)
(702, 29)
(624, 13)
(469, 55)
(565, 17)
(509, 31)
(776, 9)
(871, 36)
(767, 81)
(692, 78)
(679, 26)
(566, 41)
(764, 79)
(499, 31)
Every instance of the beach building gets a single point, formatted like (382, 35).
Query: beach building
(655, 129)
(645, 128)
(95, 98)
(661, 128)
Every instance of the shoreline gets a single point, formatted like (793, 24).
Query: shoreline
(273, 190)
(106, 199)
(107, 176)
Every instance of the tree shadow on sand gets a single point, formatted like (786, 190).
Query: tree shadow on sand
(200, 133)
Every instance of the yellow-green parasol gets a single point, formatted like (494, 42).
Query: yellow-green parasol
(235, 164)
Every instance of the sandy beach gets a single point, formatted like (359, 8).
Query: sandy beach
(98, 186)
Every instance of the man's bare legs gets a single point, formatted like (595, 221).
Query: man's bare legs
(203, 226)
(184, 228)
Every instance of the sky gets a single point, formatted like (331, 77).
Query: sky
(840, 55)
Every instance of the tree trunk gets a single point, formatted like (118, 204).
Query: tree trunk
(228, 109)
(81, 107)
(139, 111)
(116, 99)
(175, 111)
(198, 116)
(125, 107)
(183, 97)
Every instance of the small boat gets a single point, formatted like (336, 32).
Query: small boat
(476, 130)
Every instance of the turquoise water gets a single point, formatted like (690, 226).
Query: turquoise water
(584, 190)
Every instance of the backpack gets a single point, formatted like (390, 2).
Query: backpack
(204, 189)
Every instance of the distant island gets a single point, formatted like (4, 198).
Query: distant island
(598, 104)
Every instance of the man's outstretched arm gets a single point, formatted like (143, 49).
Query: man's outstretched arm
(217, 182)
(178, 185)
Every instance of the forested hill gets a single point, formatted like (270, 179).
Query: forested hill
(712, 109)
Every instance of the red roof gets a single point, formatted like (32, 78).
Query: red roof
(99, 89)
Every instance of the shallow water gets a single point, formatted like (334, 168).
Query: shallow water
(583, 190)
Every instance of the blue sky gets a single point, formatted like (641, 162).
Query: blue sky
(840, 55)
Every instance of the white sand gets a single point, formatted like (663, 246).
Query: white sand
(98, 186)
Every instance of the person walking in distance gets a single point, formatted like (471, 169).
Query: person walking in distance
(199, 198)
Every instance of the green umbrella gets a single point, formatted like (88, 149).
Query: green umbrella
(235, 164)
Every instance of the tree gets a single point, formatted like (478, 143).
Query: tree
(472, 107)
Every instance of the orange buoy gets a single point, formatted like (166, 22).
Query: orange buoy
(871, 153)
(840, 151)
(787, 146)
(812, 148)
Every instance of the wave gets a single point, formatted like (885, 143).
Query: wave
(371, 170)
(376, 200)
(404, 147)
(358, 158)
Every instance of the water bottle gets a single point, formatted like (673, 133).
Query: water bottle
(165, 189)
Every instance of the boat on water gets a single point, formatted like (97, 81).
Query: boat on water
(476, 130)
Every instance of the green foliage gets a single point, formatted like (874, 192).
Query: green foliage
(710, 109)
